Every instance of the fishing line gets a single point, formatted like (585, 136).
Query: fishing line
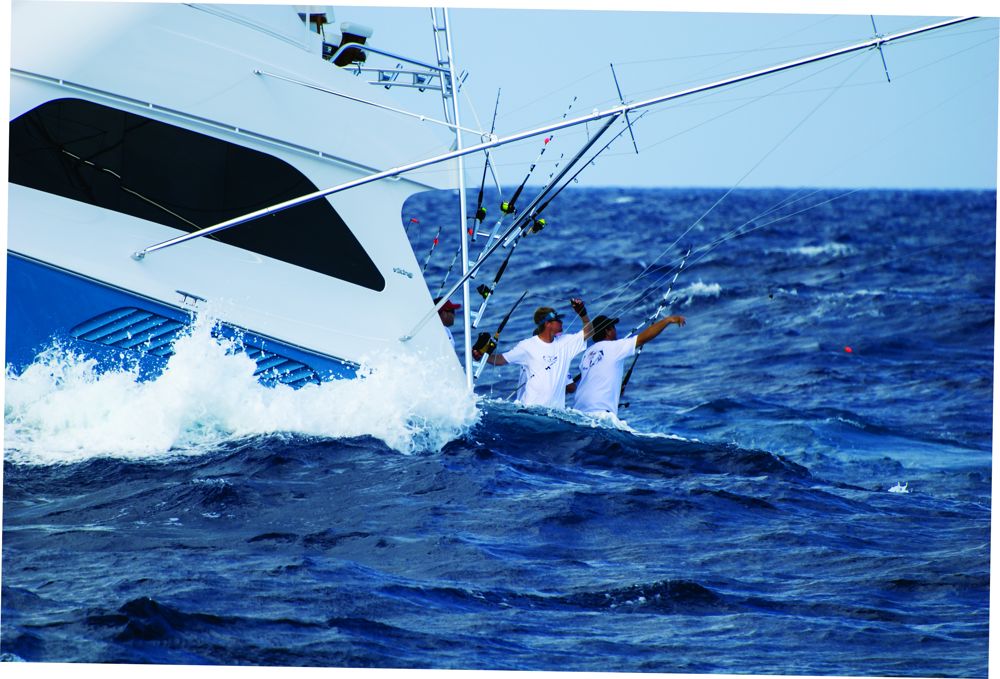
(451, 266)
(952, 55)
(619, 291)
(708, 98)
(702, 251)
(648, 321)
(532, 103)
(735, 55)
(738, 231)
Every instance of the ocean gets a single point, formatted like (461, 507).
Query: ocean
(801, 484)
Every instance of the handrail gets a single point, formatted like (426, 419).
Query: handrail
(359, 100)
(493, 143)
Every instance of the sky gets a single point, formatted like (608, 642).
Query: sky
(837, 124)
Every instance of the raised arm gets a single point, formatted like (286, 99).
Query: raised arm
(581, 311)
(656, 328)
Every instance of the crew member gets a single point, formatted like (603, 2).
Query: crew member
(447, 315)
(603, 364)
(545, 356)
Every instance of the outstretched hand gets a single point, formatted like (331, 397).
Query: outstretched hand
(679, 320)
(578, 306)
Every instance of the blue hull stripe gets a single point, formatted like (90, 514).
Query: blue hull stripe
(47, 305)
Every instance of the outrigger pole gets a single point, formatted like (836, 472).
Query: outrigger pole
(878, 41)
(613, 113)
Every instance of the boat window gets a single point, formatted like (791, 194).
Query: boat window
(183, 179)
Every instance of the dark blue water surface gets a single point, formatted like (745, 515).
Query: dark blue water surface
(744, 525)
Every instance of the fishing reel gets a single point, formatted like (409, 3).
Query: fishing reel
(485, 344)
(484, 290)
(537, 226)
(480, 214)
(507, 208)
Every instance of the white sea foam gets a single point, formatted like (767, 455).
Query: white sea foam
(61, 409)
(698, 289)
(834, 249)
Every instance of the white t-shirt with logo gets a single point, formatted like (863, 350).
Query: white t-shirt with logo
(601, 370)
(543, 368)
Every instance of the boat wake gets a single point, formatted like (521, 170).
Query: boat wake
(64, 409)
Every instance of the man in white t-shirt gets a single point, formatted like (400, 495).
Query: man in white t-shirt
(545, 357)
(602, 365)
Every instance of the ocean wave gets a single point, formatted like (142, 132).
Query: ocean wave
(63, 409)
(696, 290)
(665, 596)
(575, 439)
(832, 249)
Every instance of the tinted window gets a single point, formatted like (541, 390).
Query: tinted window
(182, 179)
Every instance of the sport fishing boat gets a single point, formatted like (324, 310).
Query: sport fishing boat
(132, 124)
(169, 161)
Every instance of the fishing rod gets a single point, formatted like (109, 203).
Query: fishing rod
(480, 213)
(651, 319)
(434, 244)
(484, 289)
(520, 223)
(509, 207)
(537, 224)
(486, 344)
(447, 273)
(590, 162)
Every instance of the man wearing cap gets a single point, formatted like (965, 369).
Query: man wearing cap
(603, 364)
(545, 356)
(447, 314)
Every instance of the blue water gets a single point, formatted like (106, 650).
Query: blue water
(742, 524)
